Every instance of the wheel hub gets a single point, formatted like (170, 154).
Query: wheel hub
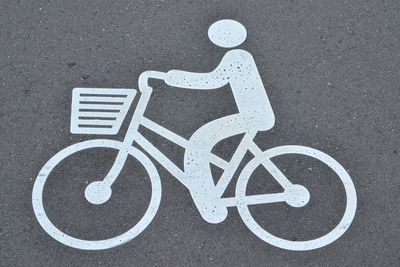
(98, 192)
(297, 196)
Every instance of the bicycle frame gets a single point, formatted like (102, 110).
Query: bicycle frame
(229, 168)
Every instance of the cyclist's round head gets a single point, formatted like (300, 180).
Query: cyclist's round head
(227, 33)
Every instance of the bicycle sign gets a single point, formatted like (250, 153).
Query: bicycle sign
(102, 111)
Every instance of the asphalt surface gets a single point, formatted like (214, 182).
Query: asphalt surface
(331, 70)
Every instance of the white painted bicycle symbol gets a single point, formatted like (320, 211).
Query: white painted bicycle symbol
(102, 111)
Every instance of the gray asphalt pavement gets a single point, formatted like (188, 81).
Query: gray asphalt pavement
(332, 73)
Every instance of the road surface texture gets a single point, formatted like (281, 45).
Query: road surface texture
(332, 73)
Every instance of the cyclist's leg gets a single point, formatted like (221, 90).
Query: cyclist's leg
(197, 164)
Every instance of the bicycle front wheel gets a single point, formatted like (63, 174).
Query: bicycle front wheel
(69, 240)
(285, 243)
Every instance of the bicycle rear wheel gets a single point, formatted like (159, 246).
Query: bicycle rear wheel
(53, 231)
(258, 230)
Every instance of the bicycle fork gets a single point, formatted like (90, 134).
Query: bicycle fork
(99, 192)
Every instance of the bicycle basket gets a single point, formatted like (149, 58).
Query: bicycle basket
(99, 110)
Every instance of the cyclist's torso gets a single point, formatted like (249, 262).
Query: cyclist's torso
(240, 70)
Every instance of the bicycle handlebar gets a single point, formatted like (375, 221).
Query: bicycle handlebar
(145, 76)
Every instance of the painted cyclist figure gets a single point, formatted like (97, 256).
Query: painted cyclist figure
(238, 69)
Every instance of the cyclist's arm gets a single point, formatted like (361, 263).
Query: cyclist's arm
(194, 80)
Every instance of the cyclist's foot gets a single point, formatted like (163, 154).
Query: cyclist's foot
(218, 214)
(210, 210)
(213, 214)
(297, 196)
(98, 192)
